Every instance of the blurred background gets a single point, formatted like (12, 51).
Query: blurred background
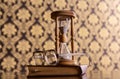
(26, 26)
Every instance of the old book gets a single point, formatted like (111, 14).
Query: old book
(54, 70)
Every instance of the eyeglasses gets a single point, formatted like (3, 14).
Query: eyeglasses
(47, 57)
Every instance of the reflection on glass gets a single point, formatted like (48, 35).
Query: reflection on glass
(50, 57)
(64, 52)
(39, 58)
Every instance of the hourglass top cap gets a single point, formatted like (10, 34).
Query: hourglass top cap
(66, 13)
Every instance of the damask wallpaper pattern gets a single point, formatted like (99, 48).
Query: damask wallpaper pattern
(26, 26)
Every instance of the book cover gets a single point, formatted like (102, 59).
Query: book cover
(54, 70)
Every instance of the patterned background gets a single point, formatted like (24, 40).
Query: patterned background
(26, 26)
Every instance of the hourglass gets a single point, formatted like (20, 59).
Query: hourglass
(63, 30)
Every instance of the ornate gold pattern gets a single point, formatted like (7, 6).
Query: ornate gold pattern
(26, 26)
(9, 30)
(23, 14)
(8, 63)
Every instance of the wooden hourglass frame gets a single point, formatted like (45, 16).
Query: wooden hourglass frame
(63, 21)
